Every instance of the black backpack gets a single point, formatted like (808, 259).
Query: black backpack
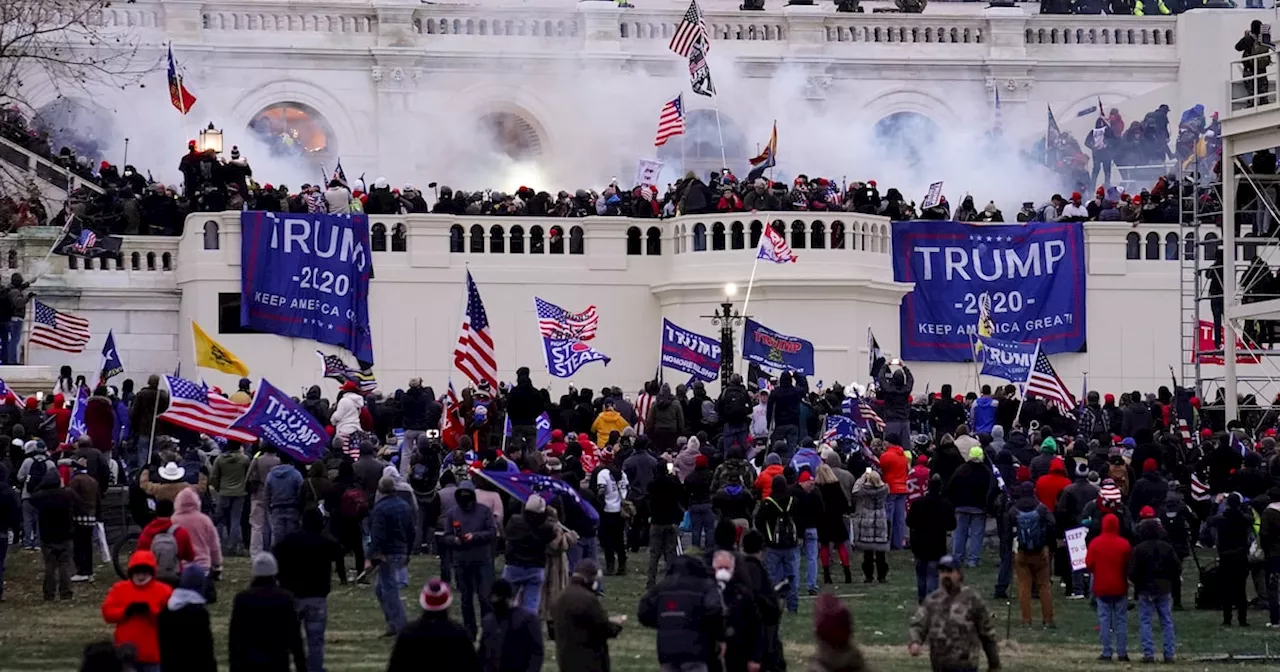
(39, 465)
(784, 530)
(737, 408)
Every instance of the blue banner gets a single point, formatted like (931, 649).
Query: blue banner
(307, 276)
(543, 424)
(776, 351)
(1032, 274)
(691, 353)
(565, 357)
(276, 418)
(111, 365)
(1009, 360)
(78, 428)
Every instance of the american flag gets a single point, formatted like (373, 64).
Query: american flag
(333, 367)
(474, 355)
(1045, 382)
(691, 30)
(58, 330)
(6, 393)
(643, 403)
(193, 407)
(773, 247)
(556, 322)
(86, 240)
(860, 411)
(670, 121)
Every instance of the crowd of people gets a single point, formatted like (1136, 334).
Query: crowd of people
(772, 502)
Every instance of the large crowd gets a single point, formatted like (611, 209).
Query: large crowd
(772, 502)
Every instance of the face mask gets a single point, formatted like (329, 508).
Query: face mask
(723, 575)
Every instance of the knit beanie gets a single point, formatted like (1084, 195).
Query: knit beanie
(264, 564)
(1049, 445)
(832, 621)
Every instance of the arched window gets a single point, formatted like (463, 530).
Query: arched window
(1171, 247)
(757, 229)
(517, 239)
(556, 233)
(12, 258)
(1189, 246)
(780, 227)
(633, 241)
(477, 239)
(1211, 245)
(818, 236)
(135, 261)
(166, 262)
(497, 240)
(837, 235)
(576, 242)
(1153, 246)
(399, 238)
(699, 237)
(378, 237)
(211, 240)
(1133, 246)
(536, 243)
(294, 130)
(151, 261)
(737, 239)
(717, 236)
(653, 241)
(798, 235)
(455, 239)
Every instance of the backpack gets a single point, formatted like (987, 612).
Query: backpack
(784, 530)
(1030, 531)
(165, 547)
(353, 505)
(39, 465)
(737, 408)
(709, 415)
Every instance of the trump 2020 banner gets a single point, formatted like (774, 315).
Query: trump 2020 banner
(1005, 359)
(774, 350)
(276, 418)
(1033, 274)
(307, 276)
(691, 353)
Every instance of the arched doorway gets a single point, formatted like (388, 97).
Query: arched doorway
(511, 135)
(295, 130)
(907, 135)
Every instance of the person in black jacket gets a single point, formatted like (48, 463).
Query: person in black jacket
(808, 513)
(665, 514)
(1150, 490)
(1135, 416)
(527, 536)
(186, 641)
(434, 637)
(419, 411)
(1152, 569)
(1230, 532)
(305, 558)
(946, 414)
(524, 405)
(317, 405)
(688, 613)
(55, 506)
(744, 630)
(783, 411)
(264, 631)
(511, 636)
(967, 491)
(930, 518)
(894, 389)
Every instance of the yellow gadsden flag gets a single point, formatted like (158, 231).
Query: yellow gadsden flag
(211, 355)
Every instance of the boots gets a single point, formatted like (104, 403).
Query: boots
(622, 568)
(826, 574)
(848, 576)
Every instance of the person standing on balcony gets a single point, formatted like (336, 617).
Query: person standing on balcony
(1254, 52)
(13, 310)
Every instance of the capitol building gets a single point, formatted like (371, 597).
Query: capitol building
(558, 94)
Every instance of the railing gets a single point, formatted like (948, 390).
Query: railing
(35, 166)
(905, 29)
(1252, 83)
(352, 21)
(1114, 31)
(137, 253)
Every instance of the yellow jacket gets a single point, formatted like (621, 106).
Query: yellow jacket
(606, 422)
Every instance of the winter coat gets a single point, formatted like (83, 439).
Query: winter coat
(100, 421)
(419, 409)
(138, 630)
(686, 610)
(1150, 490)
(264, 631)
(1134, 417)
(346, 417)
(894, 389)
(784, 404)
(607, 421)
(764, 482)
(1108, 560)
(665, 415)
(512, 642)
(527, 536)
(185, 638)
(147, 401)
(316, 405)
(583, 630)
(835, 506)
(984, 415)
(1049, 486)
(733, 502)
(870, 526)
(893, 462)
(306, 560)
(1072, 501)
(476, 521)
(556, 572)
(205, 545)
(284, 488)
(930, 519)
(435, 638)
(229, 475)
(969, 486)
(256, 478)
(1153, 565)
(186, 550)
(524, 403)
(390, 527)
(1269, 531)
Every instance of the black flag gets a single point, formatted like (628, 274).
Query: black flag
(875, 357)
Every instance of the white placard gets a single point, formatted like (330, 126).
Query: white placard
(934, 196)
(1076, 547)
(647, 171)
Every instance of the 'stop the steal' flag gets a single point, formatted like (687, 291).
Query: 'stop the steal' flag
(284, 423)
(1033, 274)
(775, 350)
(1009, 360)
(694, 354)
(307, 276)
(565, 356)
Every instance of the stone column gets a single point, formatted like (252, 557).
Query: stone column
(806, 31)
(599, 21)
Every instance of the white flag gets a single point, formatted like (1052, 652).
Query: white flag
(647, 171)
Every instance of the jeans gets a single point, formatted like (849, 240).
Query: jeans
(895, 511)
(585, 548)
(662, 544)
(283, 522)
(30, 526)
(1162, 605)
(1006, 564)
(811, 557)
(703, 522)
(900, 427)
(1033, 568)
(966, 541)
(783, 564)
(474, 579)
(57, 569)
(1101, 165)
(735, 435)
(387, 589)
(790, 434)
(409, 448)
(1113, 616)
(926, 578)
(313, 612)
(259, 531)
(14, 332)
(229, 511)
(527, 582)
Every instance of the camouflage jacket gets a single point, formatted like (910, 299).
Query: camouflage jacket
(956, 628)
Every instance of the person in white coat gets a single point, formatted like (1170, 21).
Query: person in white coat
(346, 415)
(338, 198)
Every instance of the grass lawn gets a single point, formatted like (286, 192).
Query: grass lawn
(35, 635)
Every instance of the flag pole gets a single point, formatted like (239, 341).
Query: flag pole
(746, 301)
(1023, 396)
(719, 132)
(973, 350)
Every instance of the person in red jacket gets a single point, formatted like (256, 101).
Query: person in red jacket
(161, 523)
(61, 416)
(133, 605)
(764, 482)
(1049, 486)
(893, 463)
(1108, 561)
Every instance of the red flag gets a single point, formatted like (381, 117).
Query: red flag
(178, 93)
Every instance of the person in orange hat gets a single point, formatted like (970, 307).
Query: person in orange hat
(133, 606)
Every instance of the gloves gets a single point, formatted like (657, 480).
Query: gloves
(137, 609)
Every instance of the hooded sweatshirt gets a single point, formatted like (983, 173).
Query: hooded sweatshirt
(1049, 486)
(893, 462)
(609, 420)
(346, 417)
(139, 630)
(1108, 560)
(204, 536)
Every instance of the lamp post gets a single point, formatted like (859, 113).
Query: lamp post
(210, 138)
(726, 318)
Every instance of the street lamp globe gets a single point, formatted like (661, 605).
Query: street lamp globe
(731, 290)
(210, 139)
